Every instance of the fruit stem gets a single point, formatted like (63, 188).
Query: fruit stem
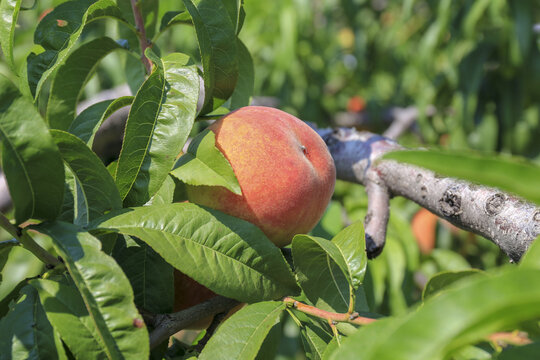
(352, 318)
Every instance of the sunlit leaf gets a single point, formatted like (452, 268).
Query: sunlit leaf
(204, 164)
(227, 255)
(241, 336)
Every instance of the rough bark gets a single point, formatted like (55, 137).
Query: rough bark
(509, 221)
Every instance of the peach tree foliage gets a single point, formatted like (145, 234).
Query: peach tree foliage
(120, 231)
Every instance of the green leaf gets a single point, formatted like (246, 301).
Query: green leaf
(165, 194)
(58, 32)
(216, 35)
(25, 332)
(525, 352)
(204, 164)
(30, 159)
(509, 174)
(104, 288)
(67, 312)
(444, 279)
(87, 123)
(227, 255)
(241, 336)
(172, 18)
(449, 260)
(95, 192)
(9, 13)
(150, 276)
(158, 125)
(464, 315)
(5, 249)
(322, 272)
(351, 244)
(532, 256)
(246, 78)
(70, 79)
(314, 339)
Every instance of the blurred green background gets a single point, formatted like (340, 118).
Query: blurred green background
(475, 62)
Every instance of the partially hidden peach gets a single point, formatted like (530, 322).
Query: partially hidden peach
(284, 169)
(286, 175)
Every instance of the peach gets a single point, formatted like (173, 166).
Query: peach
(284, 169)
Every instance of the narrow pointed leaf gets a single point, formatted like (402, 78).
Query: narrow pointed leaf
(351, 244)
(322, 272)
(229, 256)
(158, 125)
(30, 159)
(9, 13)
(514, 175)
(150, 276)
(315, 340)
(241, 336)
(246, 78)
(58, 32)
(71, 78)
(204, 164)
(25, 332)
(216, 35)
(67, 312)
(96, 192)
(87, 123)
(451, 320)
(104, 288)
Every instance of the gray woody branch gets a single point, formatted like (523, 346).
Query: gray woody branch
(510, 222)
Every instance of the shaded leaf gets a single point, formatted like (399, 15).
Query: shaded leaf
(204, 164)
(510, 174)
(165, 194)
(87, 123)
(525, 352)
(9, 13)
(70, 79)
(227, 255)
(314, 339)
(25, 332)
(241, 336)
(95, 191)
(67, 312)
(158, 125)
(30, 159)
(150, 276)
(216, 36)
(58, 32)
(104, 288)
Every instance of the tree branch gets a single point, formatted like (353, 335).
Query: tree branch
(166, 325)
(510, 222)
(143, 40)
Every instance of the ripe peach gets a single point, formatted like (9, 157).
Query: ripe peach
(287, 178)
(284, 169)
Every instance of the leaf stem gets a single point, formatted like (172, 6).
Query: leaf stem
(28, 243)
(143, 40)
(352, 318)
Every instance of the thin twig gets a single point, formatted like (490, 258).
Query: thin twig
(166, 325)
(353, 318)
(143, 40)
